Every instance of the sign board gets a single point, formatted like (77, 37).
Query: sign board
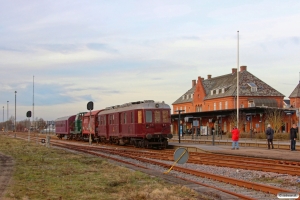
(180, 130)
(181, 155)
(195, 123)
(203, 130)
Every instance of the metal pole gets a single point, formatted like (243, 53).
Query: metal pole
(90, 137)
(251, 126)
(237, 83)
(3, 119)
(179, 126)
(15, 112)
(29, 130)
(179, 123)
(33, 105)
(221, 128)
(7, 118)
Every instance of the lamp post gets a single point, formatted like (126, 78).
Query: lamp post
(7, 118)
(261, 122)
(179, 127)
(15, 112)
(3, 119)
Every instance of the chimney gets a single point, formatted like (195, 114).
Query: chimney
(234, 70)
(208, 76)
(243, 68)
(193, 83)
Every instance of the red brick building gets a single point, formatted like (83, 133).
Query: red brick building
(216, 97)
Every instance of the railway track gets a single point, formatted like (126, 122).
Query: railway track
(239, 188)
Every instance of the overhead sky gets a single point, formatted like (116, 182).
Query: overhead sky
(114, 52)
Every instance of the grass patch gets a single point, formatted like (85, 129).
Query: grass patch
(43, 173)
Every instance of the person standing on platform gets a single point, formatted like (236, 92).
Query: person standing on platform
(270, 135)
(293, 137)
(235, 138)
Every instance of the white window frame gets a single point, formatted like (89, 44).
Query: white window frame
(251, 104)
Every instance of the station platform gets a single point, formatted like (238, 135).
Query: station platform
(249, 148)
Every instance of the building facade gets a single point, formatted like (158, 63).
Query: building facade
(209, 100)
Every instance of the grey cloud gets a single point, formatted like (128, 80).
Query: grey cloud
(101, 47)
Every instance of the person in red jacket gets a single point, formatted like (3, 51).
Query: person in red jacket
(235, 138)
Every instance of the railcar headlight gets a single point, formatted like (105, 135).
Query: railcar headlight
(149, 136)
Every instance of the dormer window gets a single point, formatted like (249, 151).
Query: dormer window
(253, 87)
(183, 97)
(223, 90)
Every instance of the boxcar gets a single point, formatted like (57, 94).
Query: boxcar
(63, 126)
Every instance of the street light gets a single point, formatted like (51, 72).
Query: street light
(3, 118)
(15, 112)
(7, 118)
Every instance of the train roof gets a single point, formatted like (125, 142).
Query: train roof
(95, 112)
(146, 104)
(64, 118)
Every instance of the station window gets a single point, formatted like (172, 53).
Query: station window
(148, 116)
(157, 117)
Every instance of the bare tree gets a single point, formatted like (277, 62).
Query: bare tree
(275, 117)
(242, 119)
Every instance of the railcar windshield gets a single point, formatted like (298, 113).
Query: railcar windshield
(148, 116)
(157, 116)
(165, 116)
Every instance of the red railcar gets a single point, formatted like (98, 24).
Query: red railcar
(63, 126)
(143, 124)
(90, 124)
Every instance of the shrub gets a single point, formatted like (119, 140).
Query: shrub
(282, 136)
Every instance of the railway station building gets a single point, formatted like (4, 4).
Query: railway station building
(211, 104)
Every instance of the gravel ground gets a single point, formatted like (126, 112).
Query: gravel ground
(285, 181)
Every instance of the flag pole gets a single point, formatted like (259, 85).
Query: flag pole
(237, 83)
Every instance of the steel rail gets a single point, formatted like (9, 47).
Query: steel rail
(82, 149)
(241, 183)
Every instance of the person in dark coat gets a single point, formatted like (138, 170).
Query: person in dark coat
(293, 137)
(235, 138)
(270, 135)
